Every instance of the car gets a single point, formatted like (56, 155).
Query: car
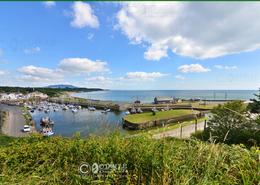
(26, 128)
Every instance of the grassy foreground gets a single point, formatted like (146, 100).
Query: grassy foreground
(38, 160)
(144, 117)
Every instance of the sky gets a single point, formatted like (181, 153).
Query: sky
(130, 46)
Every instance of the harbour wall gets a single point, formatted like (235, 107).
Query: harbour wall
(161, 122)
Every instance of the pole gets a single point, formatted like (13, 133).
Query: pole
(205, 124)
(196, 124)
(181, 132)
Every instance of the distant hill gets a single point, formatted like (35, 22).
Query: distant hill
(62, 86)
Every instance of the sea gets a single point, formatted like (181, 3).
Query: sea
(147, 96)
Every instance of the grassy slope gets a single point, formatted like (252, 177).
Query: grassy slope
(56, 160)
(144, 117)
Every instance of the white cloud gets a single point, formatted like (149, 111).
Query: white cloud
(143, 75)
(32, 50)
(82, 65)
(193, 68)
(225, 67)
(49, 4)
(180, 77)
(198, 30)
(83, 16)
(155, 53)
(40, 74)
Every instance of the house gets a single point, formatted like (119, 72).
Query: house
(163, 99)
(37, 95)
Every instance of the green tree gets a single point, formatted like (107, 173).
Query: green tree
(254, 107)
(230, 124)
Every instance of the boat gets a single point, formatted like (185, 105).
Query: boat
(127, 112)
(46, 121)
(91, 108)
(47, 111)
(55, 109)
(47, 131)
(65, 108)
(79, 107)
(32, 111)
(133, 111)
(139, 110)
(106, 111)
(74, 110)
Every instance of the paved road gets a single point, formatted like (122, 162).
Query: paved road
(186, 131)
(15, 121)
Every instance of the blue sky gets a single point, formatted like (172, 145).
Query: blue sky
(130, 45)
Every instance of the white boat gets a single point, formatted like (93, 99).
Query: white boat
(127, 112)
(91, 108)
(74, 110)
(47, 132)
(106, 111)
(65, 108)
(139, 110)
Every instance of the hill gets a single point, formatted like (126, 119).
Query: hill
(62, 86)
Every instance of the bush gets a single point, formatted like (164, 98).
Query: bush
(38, 160)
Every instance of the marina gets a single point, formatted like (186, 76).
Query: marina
(67, 120)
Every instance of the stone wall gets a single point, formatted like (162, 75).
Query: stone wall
(140, 126)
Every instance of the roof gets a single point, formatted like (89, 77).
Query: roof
(163, 98)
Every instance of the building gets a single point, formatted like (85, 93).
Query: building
(38, 95)
(164, 99)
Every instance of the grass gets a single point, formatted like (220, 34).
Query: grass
(145, 117)
(39, 160)
(27, 116)
(5, 140)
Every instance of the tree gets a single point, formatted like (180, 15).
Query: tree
(230, 124)
(254, 107)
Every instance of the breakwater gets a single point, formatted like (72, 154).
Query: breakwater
(161, 122)
(86, 103)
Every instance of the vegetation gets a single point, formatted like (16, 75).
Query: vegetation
(230, 124)
(39, 160)
(144, 117)
(52, 92)
(254, 107)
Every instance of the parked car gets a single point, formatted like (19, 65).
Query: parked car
(26, 128)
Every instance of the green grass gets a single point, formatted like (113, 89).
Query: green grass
(144, 117)
(37, 160)
(5, 140)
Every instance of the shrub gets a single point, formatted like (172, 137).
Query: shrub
(37, 160)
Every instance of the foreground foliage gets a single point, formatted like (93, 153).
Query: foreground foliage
(254, 107)
(38, 160)
(230, 124)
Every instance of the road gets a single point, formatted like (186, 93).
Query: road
(186, 131)
(15, 121)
